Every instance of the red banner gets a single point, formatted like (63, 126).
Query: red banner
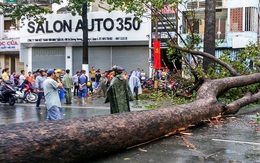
(157, 54)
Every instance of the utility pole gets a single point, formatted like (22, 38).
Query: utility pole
(85, 38)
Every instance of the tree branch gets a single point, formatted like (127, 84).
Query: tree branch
(234, 107)
(204, 54)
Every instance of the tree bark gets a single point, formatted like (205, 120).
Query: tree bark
(80, 139)
(209, 34)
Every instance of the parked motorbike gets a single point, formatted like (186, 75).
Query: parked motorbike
(148, 83)
(26, 93)
(7, 93)
(168, 86)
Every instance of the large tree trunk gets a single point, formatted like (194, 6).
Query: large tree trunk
(80, 139)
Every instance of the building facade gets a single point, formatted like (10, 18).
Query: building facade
(237, 23)
(117, 38)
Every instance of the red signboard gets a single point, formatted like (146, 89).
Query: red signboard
(157, 54)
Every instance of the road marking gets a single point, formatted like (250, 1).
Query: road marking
(235, 141)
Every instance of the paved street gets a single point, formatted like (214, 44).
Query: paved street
(26, 112)
(236, 139)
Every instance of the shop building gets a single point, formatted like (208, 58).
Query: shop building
(115, 38)
(237, 23)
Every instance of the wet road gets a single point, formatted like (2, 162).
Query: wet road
(236, 139)
(26, 112)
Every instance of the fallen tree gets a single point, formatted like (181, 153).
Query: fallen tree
(80, 139)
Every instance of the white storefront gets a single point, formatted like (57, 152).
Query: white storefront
(114, 38)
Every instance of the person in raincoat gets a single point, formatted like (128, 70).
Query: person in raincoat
(119, 93)
(135, 84)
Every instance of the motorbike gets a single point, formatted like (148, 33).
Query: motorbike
(148, 83)
(26, 93)
(7, 93)
(168, 86)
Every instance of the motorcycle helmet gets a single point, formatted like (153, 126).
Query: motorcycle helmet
(118, 69)
(89, 84)
(58, 70)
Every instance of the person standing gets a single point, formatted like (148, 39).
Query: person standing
(97, 78)
(67, 82)
(39, 86)
(142, 75)
(83, 79)
(76, 83)
(138, 73)
(118, 92)
(62, 73)
(92, 78)
(135, 84)
(92, 74)
(102, 87)
(52, 99)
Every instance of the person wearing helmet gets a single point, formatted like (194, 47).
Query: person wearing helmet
(39, 86)
(58, 73)
(118, 92)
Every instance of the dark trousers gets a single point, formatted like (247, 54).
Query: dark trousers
(76, 89)
(40, 94)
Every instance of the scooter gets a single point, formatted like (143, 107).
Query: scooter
(148, 83)
(7, 93)
(26, 93)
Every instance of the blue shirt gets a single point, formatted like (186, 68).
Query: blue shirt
(39, 82)
(83, 79)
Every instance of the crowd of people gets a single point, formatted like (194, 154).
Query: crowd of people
(58, 84)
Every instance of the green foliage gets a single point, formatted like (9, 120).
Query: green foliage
(156, 99)
(241, 63)
(154, 95)
(23, 10)
(76, 6)
(257, 118)
(193, 41)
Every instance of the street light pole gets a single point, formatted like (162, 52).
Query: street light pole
(85, 38)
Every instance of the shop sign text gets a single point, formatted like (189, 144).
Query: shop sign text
(97, 24)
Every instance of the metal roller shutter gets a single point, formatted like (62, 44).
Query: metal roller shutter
(76, 59)
(99, 57)
(48, 58)
(131, 58)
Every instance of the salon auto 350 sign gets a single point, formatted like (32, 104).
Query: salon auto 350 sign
(102, 26)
